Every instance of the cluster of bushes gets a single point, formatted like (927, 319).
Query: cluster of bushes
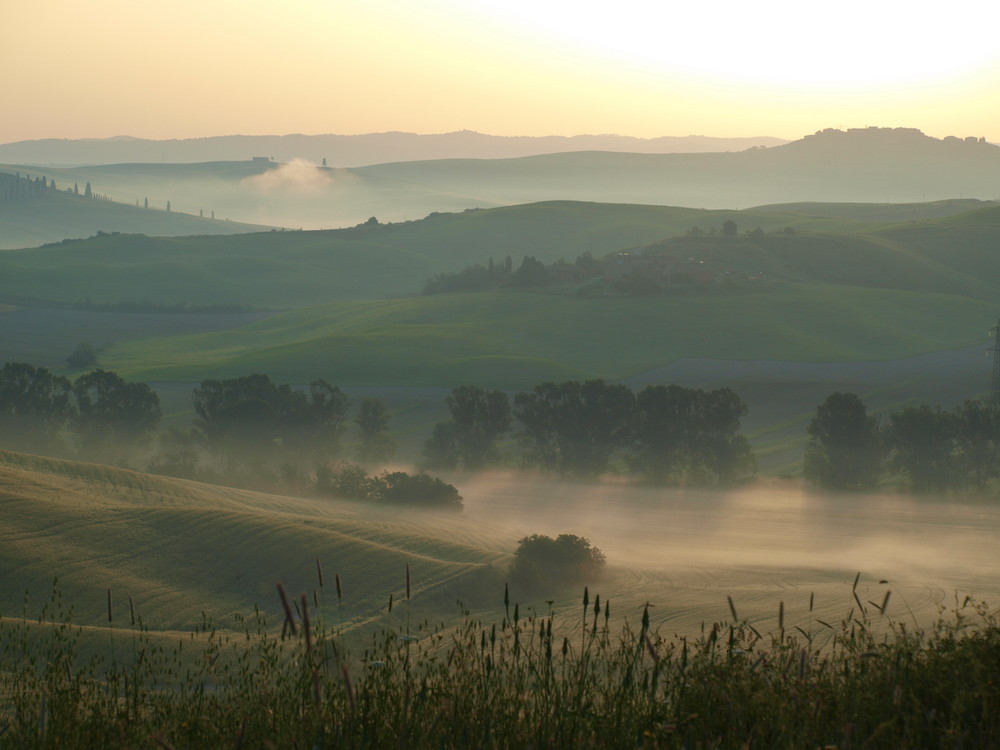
(352, 482)
(668, 434)
(542, 563)
(530, 273)
(931, 449)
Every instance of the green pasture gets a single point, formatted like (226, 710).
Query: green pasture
(515, 340)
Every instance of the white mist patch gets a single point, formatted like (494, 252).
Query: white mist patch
(298, 175)
(687, 550)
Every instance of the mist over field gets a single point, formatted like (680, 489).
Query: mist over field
(720, 399)
(528, 374)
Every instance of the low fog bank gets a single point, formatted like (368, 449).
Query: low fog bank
(765, 543)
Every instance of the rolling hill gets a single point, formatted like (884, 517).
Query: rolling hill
(180, 555)
(291, 269)
(179, 548)
(54, 215)
(517, 339)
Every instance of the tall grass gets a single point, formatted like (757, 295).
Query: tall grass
(576, 679)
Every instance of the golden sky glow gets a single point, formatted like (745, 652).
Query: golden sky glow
(182, 68)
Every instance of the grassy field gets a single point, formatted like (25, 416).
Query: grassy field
(721, 615)
(515, 340)
(181, 550)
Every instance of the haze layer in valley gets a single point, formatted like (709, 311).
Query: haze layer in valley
(878, 165)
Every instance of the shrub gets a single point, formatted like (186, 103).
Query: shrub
(350, 481)
(417, 489)
(83, 356)
(346, 480)
(542, 561)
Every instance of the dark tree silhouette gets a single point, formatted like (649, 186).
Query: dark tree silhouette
(575, 427)
(35, 406)
(977, 440)
(845, 449)
(113, 417)
(480, 418)
(541, 561)
(374, 445)
(922, 439)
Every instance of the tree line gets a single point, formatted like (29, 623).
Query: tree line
(252, 427)
(98, 416)
(929, 448)
(667, 434)
(239, 422)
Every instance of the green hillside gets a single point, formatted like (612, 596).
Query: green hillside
(924, 256)
(514, 340)
(55, 215)
(179, 548)
(291, 269)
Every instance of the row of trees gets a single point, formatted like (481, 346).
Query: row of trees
(933, 449)
(241, 422)
(665, 433)
(102, 416)
(530, 273)
(251, 422)
(16, 187)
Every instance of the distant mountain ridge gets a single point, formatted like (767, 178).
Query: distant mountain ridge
(351, 150)
(864, 165)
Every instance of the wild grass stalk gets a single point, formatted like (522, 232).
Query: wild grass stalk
(518, 682)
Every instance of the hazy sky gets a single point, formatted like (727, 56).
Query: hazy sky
(186, 68)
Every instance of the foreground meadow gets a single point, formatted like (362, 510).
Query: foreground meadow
(722, 620)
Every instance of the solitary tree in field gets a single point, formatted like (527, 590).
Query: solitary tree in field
(729, 228)
(83, 356)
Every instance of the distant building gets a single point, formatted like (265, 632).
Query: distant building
(262, 159)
